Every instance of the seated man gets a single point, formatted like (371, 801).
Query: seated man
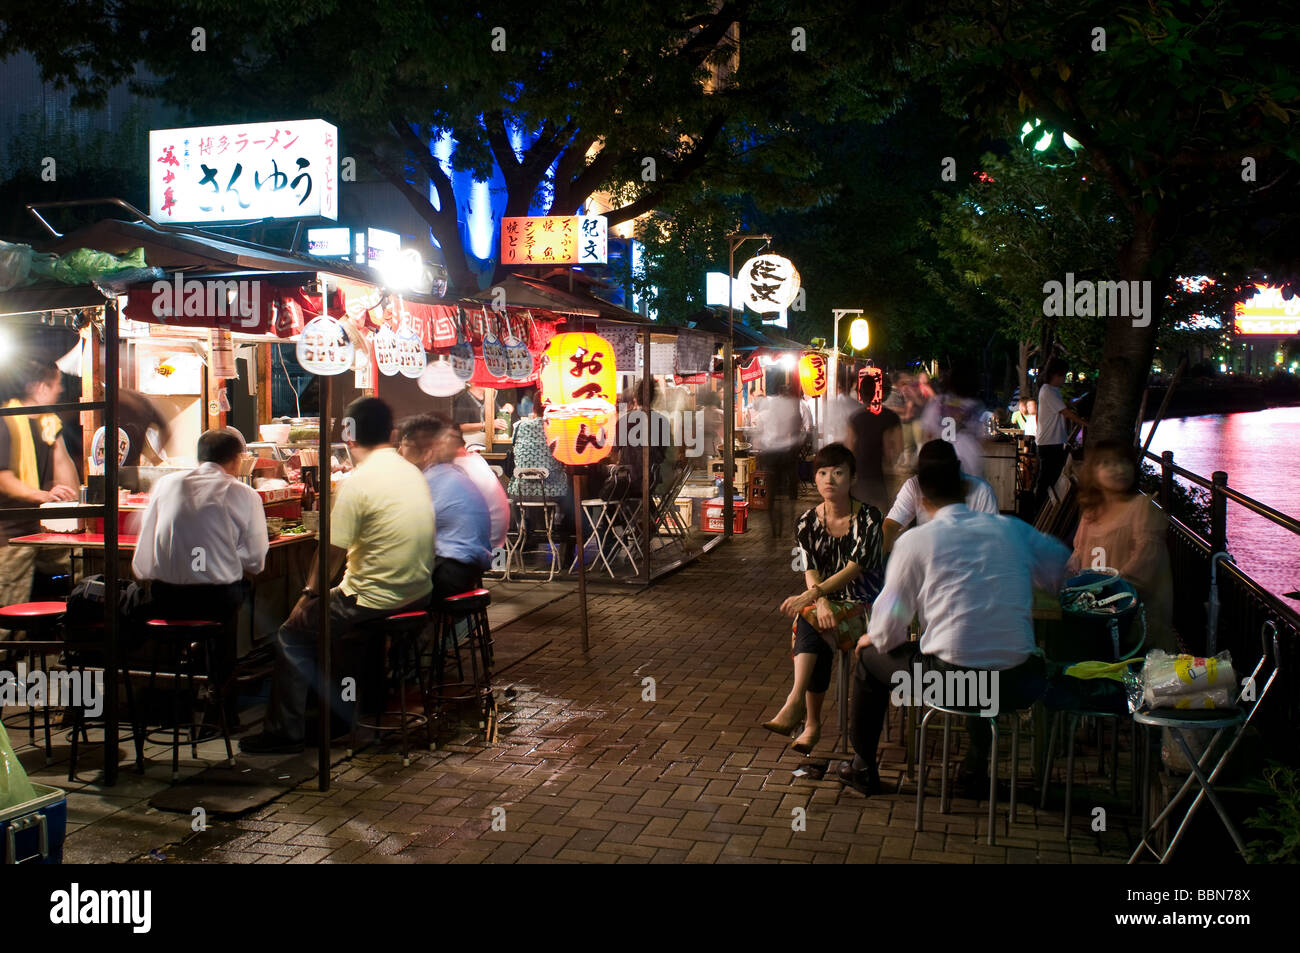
(980, 497)
(382, 525)
(969, 578)
(203, 534)
(462, 524)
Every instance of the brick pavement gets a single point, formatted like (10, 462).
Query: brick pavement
(588, 769)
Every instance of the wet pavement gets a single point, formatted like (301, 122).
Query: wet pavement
(647, 749)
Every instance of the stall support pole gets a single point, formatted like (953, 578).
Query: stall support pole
(582, 560)
(645, 455)
(111, 372)
(323, 692)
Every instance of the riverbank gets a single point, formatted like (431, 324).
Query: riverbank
(1196, 397)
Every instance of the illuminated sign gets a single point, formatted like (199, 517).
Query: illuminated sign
(244, 172)
(555, 240)
(770, 283)
(329, 242)
(1268, 313)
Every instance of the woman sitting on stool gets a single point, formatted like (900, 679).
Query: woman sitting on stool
(840, 542)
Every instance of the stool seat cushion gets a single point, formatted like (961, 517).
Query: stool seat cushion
(476, 600)
(182, 623)
(471, 594)
(406, 616)
(33, 610)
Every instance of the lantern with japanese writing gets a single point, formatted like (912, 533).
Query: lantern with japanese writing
(812, 374)
(578, 366)
(871, 388)
(578, 383)
(769, 283)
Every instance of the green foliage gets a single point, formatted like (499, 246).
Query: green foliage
(1281, 820)
(1190, 503)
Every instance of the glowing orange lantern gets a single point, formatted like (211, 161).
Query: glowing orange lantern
(578, 367)
(871, 388)
(812, 374)
(580, 433)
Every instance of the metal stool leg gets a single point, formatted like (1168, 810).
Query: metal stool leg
(1072, 727)
(920, 784)
(993, 782)
(945, 801)
(1052, 728)
(401, 693)
(1015, 767)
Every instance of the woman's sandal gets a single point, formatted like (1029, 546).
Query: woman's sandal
(806, 747)
(780, 729)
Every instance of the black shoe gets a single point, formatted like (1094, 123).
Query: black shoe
(865, 781)
(267, 743)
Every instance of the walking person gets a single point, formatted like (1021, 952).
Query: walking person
(876, 439)
(780, 435)
(840, 545)
(1053, 418)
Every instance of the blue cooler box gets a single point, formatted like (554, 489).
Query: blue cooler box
(33, 831)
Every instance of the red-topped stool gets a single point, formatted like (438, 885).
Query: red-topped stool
(39, 619)
(467, 612)
(184, 649)
(400, 633)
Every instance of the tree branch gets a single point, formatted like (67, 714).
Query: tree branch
(688, 164)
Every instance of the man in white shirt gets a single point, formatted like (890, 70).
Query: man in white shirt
(980, 497)
(203, 534)
(1053, 426)
(780, 435)
(968, 578)
(381, 527)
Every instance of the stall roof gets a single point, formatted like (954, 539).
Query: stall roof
(524, 291)
(47, 296)
(745, 337)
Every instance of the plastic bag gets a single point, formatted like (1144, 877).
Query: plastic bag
(15, 789)
(15, 265)
(1166, 675)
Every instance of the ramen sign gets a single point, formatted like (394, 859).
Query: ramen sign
(769, 283)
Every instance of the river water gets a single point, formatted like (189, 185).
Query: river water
(1260, 452)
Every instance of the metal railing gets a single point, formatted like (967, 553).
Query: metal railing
(1244, 606)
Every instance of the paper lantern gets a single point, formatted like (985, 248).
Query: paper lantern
(871, 388)
(578, 367)
(812, 374)
(859, 335)
(581, 432)
(769, 283)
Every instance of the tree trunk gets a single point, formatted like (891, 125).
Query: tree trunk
(1126, 359)
(1024, 349)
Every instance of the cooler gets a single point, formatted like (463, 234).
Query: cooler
(32, 832)
(711, 522)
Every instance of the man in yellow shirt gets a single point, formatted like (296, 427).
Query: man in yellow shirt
(381, 525)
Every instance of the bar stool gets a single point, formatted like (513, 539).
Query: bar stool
(534, 504)
(945, 804)
(401, 634)
(80, 656)
(41, 619)
(186, 646)
(469, 608)
(1072, 718)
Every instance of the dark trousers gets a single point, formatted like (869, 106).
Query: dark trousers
(874, 684)
(782, 469)
(451, 577)
(296, 662)
(1051, 461)
(808, 640)
(219, 603)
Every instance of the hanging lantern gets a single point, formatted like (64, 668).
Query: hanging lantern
(769, 283)
(581, 432)
(577, 367)
(812, 374)
(859, 334)
(871, 388)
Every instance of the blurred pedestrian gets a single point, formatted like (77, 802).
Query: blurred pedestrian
(876, 438)
(779, 437)
(1053, 428)
(957, 416)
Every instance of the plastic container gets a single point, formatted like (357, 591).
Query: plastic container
(713, 515)
(274, 433)
(60, 526)
(33, 832)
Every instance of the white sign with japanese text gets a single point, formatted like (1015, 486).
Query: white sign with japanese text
(247, 171)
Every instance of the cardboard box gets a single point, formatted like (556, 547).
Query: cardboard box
(743, 466)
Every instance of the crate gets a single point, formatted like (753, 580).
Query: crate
(711, 521)
(33, 832)
(684, 509)
(758, 494)
(741, 469)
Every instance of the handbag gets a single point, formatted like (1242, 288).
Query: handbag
(850, 622)
(1102, 600)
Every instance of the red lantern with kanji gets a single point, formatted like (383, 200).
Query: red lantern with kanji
(871, 388)
(580, 433)
(812, 374)
(578, 367)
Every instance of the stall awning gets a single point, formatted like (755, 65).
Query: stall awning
(34, 299)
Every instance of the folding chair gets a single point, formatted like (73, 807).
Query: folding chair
(1177, 720)
(666, 520)
(533, 502)
(605, 513)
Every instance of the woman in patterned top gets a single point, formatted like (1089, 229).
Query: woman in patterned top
(840, 547)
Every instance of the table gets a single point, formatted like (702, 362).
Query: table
(287, 561)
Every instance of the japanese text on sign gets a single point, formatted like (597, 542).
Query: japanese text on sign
(245, 171)
(555, 240)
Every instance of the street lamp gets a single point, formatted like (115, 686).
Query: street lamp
(839, 313)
